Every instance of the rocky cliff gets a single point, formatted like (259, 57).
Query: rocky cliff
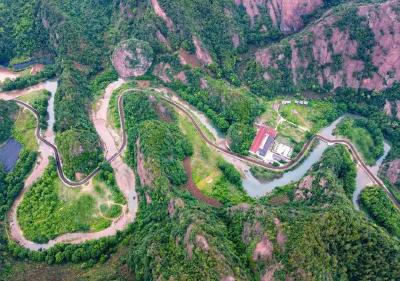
(358, 48)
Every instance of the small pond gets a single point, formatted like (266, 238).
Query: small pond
(9, 153)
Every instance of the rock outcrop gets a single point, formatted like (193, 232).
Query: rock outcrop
(132, 58)
(285, 14)
(336, 52)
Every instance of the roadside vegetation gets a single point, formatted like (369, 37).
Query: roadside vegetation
(366, 136)
(28, 80)
(232, 110)
(376, 203)
(264, 175)
(8, 112)
(211, 173)
(11, 183)
(50, 209)
(39, 100)
(313, 116)
(25, 128)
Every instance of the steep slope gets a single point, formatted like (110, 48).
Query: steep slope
(355, 47)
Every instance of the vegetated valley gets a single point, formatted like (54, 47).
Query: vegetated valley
(200, 140)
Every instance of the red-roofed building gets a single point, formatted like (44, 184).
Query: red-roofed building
(263, 141)
(262, 130)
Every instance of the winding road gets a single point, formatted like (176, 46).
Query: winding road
(113, 156)
(124, 176)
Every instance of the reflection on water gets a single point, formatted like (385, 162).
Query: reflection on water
(51, 86)
(203, 119)
(9, 154)
(257, 189)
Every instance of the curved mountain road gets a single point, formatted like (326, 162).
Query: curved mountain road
(77, 237)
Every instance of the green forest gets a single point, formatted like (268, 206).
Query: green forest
(195, 220)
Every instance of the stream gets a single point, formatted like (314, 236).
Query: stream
(256, 188)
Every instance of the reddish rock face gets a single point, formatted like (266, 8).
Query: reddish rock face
(161, 13)
(161, 71)
(398, 109)
(201, 53)
(286, 14)
(393, 172)
(384, 23)
(388, 108)
(263, 250)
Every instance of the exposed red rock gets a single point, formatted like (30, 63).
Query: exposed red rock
(201, 53)
(280, 237)
(203, 83)
(143, 173)
(384, 23)
(163, 40)
(393, 171)
(122, 58)
(235, 40)
(161, 71)
(181, 76)
(306, 183)
(202, 243)
(161, 13)
(228, 278)
(263, 250)
(388, 108)
(251, 231)
(286, 14)
(173, 205)
(188, 59)
(398, 109)
(269, 274)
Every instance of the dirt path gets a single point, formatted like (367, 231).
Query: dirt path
(194, 190)
(124, 176)
(7, 74)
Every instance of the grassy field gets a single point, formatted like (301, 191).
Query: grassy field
(50, 209)
(270, 116)
(34, 96)
(206, 174)
(313, 116)
(24, 130)
(291, 133)
(39, 100)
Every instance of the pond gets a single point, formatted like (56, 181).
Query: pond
(9, 153)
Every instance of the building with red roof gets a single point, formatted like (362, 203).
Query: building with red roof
(263, 141)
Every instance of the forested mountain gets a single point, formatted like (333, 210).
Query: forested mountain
(222, 56)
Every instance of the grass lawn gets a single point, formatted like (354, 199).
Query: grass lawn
(270, 116)
(312, 116)
(24, 130)
(206, 174)
(291, 133)
(50, 209)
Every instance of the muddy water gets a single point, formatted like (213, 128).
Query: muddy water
(363, 180)
(51, 86)
(255, 188)
(123, 173)
(124, 177)
(218, 136)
